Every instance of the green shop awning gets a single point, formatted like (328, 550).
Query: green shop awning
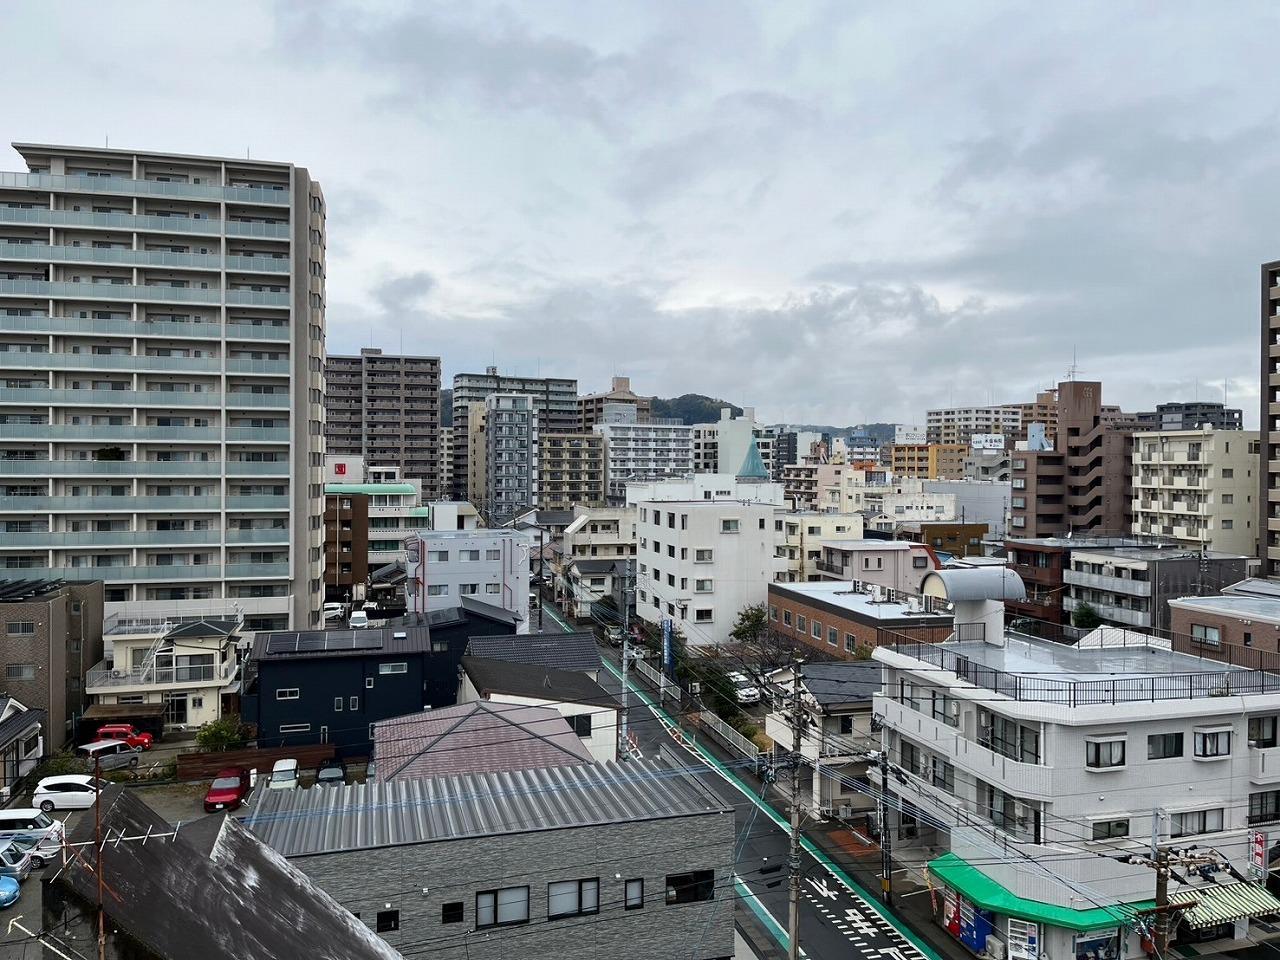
(981, 890)
(1217, 903)
(369, 489)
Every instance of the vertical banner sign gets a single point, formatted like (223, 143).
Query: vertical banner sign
(668, 652)
(1257, 855)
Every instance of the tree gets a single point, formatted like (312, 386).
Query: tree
(1086, 617)
(762, 645)
(216, 736)
(751, 624)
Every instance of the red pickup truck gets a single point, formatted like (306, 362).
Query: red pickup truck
(128, 733)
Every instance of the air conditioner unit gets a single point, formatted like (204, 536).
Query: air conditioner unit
(995, 947)
(695, 687)
(845, 811)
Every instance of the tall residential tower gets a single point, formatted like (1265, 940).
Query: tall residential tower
(162, 322)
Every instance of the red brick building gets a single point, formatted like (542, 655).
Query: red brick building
(843, 619)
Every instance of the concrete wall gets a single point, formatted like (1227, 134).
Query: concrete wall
(418, 880)
(603, 741)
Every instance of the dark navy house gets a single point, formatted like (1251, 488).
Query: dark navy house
(331, 686)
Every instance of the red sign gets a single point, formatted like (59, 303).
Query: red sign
(340, 469)
(1258, 854)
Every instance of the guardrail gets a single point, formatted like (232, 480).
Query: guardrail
(729, 736)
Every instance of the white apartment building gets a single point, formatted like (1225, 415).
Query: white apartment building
(1038, 765)
(162, 323)
(705, 486)
(447, 566)
(699, 562)
(885, 504)
(1197, 486)
(800, 538)
(596, 546)
(636, 452)
(722, 447)
(958, 424)
(511, 456)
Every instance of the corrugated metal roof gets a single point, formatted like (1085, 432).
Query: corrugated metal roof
(564, 651)
(1223, 903)
(305, 822)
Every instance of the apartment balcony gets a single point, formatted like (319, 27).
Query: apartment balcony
(244, 400)
(256, 571)
(123, 256)
(1113, 584)
(1029, 780)
(53, 540)
(257, 434)
(265, 502)
(111, 468)
(1264, 764)
(107, 361)
(1123, 615)
(125, 187)
(40, 396)
(141, 328)
(271, 536)
(158, 293)
(101, 678)
(111, 504)
(121, 574)
(106, 432)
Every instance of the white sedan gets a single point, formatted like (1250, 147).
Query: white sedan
(72, 791)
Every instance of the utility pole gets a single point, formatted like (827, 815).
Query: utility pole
(97, 869)
(886, 836)
(627, 587)
(793, 857)
(1161, 938)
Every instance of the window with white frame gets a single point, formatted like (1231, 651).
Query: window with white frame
(437, 589)
(729, 525)
(286, 693)
(391, 668)
(493, 588)
(295, 728)
(1192, 822)
(704, 586)
(702, 556)
(1104, 754)
(703, 615)
(1209, 636)
(437, 556)
(469, 556)
(1211, 743)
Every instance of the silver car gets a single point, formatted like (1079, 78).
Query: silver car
(14, 861)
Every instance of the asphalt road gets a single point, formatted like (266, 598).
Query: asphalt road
(836, 921)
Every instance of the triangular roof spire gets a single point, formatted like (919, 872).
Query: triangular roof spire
(752, 468)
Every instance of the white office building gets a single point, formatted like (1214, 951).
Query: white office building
(447, 566)
(1041, 767)
(162, 323)
(636, 452)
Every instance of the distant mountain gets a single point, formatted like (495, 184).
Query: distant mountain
(692, 408)
(446, 407)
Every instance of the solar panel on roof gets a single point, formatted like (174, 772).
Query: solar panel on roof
(370, 641)
(307, 643)
(282, 643)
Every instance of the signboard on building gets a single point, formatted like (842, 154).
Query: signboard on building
(1257, 855)
(668, 650)
(988, 441)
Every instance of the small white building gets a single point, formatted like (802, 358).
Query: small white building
(597, 545)
(590, 710)
(488, 565)
(800, 537)
(705, 486)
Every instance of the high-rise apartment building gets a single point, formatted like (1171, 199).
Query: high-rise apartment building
(1082, 485)
(571, 471)
(555, 401)
(446, 461)
(511, 457)
(636, 452)
(928, 461)
(958, 424)
(162, 323)
(386, 409)
(721, 447)
(591, 407)
(1192, 416)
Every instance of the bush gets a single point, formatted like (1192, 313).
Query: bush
(227, 733)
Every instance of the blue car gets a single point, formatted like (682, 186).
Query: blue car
(8, 892)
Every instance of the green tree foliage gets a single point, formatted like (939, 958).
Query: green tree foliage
(219, 735)
(1086, 617)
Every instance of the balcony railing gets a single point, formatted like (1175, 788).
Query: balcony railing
(158, 293)
(124, 186)
(126, 256)
(103, 675)
(142, 328)
(1099, 581)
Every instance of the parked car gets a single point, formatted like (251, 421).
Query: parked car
(40, 855)
(128, 733)
(284, 775)
(359, 620)
(334, 611)
(744, 688)
(614, 635)
(108, 754)
(72, 791)
(14, 861)
(9, 892)
(332, 773)
(228, 790)
(28, 822)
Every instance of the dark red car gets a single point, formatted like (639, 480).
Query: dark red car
(228, 790)
(128, 733)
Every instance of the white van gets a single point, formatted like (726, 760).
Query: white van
(359, 620)
(108, 754)
(334, 611)
(284, 775)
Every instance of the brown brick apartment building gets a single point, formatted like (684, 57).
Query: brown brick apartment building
(847, 621)
(346, 544)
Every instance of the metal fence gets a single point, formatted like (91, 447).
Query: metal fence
(667, 688)
(730, 737)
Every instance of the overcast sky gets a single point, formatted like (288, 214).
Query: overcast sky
(836, 212)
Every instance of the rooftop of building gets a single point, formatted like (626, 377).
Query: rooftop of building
(863, 543)
(55, 149)
(362, 816)
(843, 683)
(561, 651)
(1148, 553)
(476, 737)
(854, 599)
(490, 675)
(1255, 586)
(1079, 543)
(24, 591)
(316, 644)
(1235, 605)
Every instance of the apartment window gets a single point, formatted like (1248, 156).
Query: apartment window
(1228, 498)
(368, 683)
(1262, 732)
(802, 623)
(1228, 473)
(703, 615)
(634, 894)
(786, 618)
(286, 693)
(702, 556)
(21, 628)
(833, 636)
(573, 898)
(502, 908)
(1209, 636)
(1194, 822)
(20, 671)
(493, 588)
(817, 630)
(387, 921)
(1211, 743)
(581, 723)
(1264, 807)
(468, 589)
(389, 668)
(773, 612)
(353, 703)
(451, 912)
(697, 886)
(337, 704)
(438, 556)
(469, 556)
(1228, 524)
(437, 589)
(1110, 829)
(850, 643)
(704, 586)
(728, 526)
(295, 728)
(1163, 746)
(1102, 754)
